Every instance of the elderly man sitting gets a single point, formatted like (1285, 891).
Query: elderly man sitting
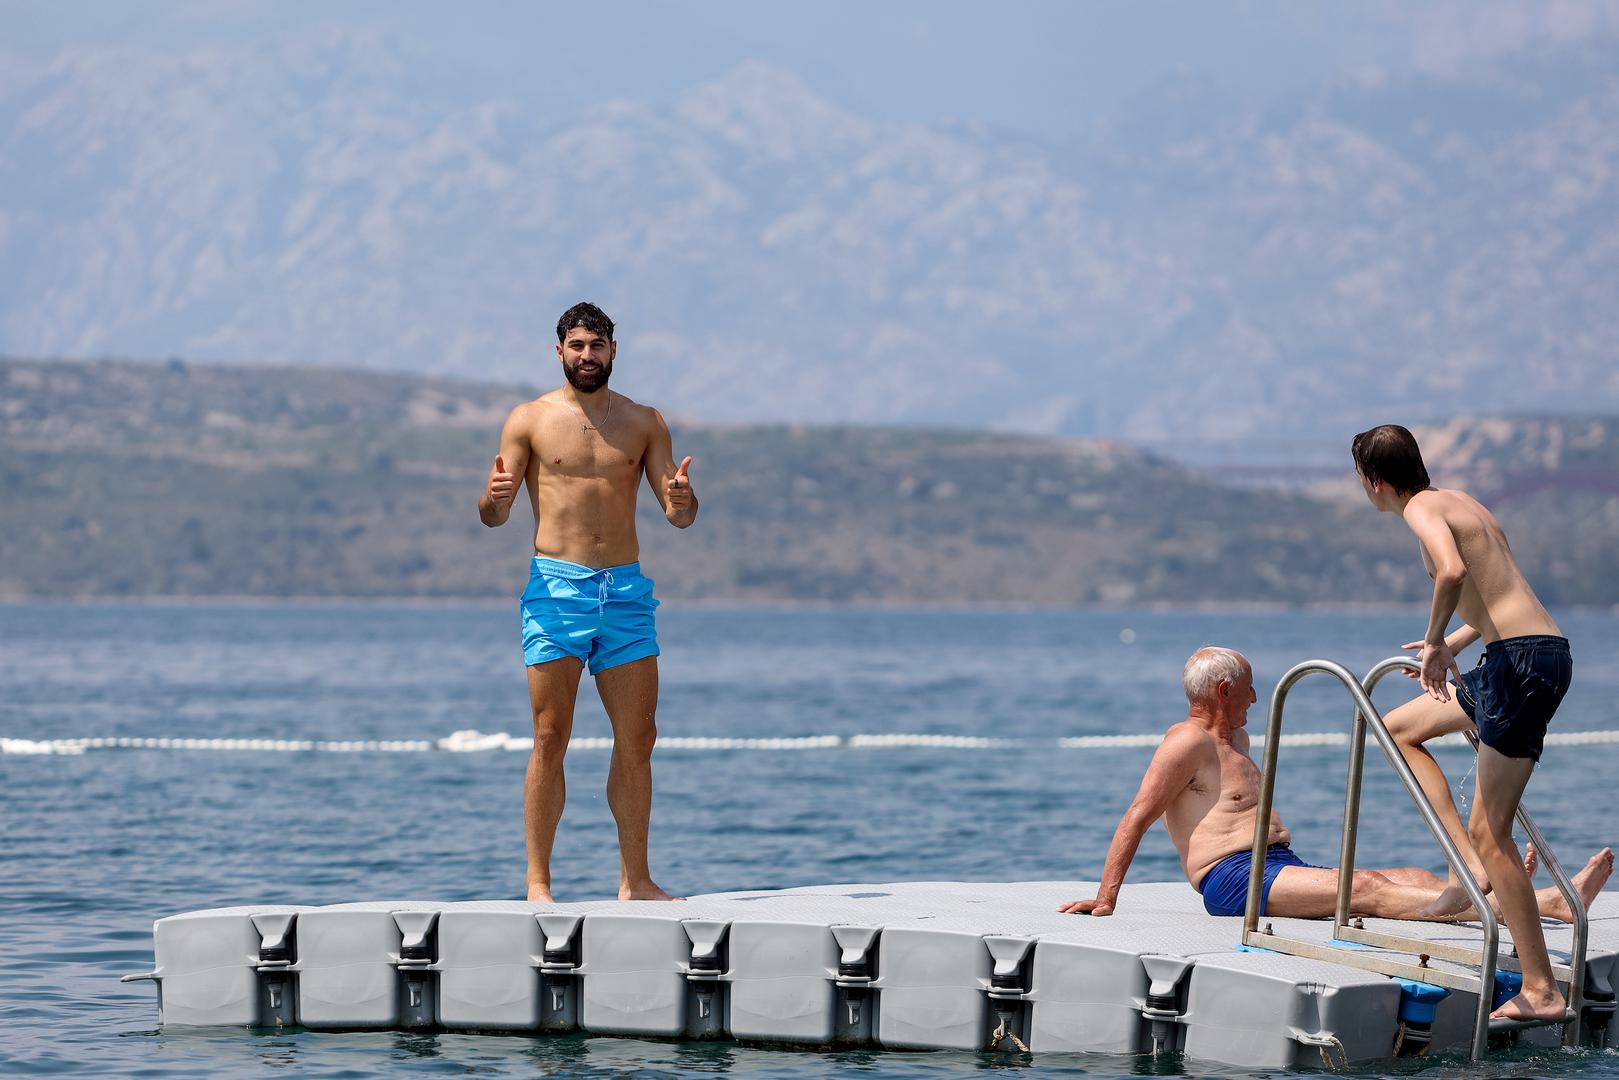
(1205, 786)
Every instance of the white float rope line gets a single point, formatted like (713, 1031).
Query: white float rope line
(476, 741)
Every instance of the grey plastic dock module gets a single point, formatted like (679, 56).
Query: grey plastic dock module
(632, 971)
(1284, 1012)
(781, 982)
(801, 982)
(225, 967)
(933, 990)
(507, 966)
(1089, 996)
(366, 966)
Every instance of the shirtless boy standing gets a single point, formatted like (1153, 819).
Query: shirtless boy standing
(582, 450)
(1510, 696)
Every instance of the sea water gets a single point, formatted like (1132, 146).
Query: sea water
(95, 846)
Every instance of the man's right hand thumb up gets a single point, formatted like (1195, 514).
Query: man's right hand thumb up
(502, 484)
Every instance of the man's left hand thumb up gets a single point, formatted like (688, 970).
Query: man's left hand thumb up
(678, 486)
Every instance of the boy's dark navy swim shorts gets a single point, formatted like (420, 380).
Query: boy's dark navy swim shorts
(1513, 692)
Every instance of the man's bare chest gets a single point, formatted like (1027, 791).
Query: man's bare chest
(563, 450)
(1239, 780)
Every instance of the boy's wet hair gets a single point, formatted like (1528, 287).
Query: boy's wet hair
(587, 315)
(1389, 453)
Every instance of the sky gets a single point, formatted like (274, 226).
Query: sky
(1043, 67)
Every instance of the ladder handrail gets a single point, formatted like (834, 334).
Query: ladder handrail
(1368, 713)
(1357, 742)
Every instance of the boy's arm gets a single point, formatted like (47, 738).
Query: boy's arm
(1449, 574)
(1459, 639)
(1171, 770)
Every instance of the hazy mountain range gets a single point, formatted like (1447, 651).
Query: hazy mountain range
(1191, 275)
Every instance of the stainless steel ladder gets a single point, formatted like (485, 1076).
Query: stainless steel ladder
(1377, 957)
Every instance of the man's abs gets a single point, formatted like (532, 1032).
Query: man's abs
(586, 521)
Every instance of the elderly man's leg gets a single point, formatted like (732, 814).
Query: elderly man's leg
(1412, 725)
(1412, 875)
(1501, 781)
(629, 693)
(1302, 892)
(1407, 892)
(553, 688)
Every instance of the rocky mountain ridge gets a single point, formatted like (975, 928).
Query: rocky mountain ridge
(1191, 274)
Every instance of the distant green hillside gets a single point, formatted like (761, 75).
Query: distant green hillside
(124, 479)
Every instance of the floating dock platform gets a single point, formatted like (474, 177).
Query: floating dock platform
(914, 965)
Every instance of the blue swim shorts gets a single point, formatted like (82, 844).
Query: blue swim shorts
(1513, 692)
(1225, 886)
(601, 615)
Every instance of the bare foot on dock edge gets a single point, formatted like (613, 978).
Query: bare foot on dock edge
(646, 890)
(540, 894)
(1588, 882)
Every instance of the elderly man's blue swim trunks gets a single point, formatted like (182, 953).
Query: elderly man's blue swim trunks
(601, 615)
(1225, 886)
(1513, 692)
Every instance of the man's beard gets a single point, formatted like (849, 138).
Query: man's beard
(588, 384)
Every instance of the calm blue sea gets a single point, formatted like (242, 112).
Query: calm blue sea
(96, 846)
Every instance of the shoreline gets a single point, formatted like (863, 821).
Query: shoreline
(1209, 607)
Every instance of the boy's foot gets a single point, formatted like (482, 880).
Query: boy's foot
(1451, 901)
(1551, 1010)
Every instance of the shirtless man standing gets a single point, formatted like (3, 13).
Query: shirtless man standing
(1205, 786)
(1510, 697)
(582, 449)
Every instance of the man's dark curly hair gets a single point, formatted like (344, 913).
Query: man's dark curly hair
(1389, 453)
(587, 315)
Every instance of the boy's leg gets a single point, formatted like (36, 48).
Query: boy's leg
(552, 689)
(1412, 725)
(1501, 781)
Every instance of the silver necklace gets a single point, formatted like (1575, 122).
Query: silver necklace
(584, 417)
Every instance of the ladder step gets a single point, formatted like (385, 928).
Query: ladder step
(1505, 1024)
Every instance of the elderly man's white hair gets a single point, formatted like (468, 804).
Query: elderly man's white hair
(1207, 668)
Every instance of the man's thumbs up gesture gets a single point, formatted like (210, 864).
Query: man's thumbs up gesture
(678, 497)
(502, 484)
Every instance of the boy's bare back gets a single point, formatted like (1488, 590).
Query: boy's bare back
(1496, 600)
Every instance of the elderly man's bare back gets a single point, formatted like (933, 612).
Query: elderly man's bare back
(1205, 785)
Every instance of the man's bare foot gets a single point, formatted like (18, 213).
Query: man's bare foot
(1588, 882)
(645, 890)
(1551, 1009)
(1451, 901)
(540, 894)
